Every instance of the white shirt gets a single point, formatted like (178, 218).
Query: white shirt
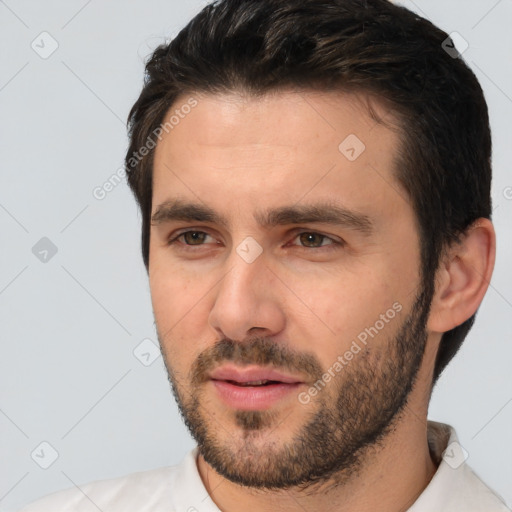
(453, 488)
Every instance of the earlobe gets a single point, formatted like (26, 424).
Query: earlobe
(463, 277)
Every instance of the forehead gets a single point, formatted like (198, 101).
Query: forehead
(293, 145)
(300, 112)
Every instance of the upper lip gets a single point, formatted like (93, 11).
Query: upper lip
(252, 374)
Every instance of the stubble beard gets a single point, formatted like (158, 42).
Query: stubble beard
(346, 420)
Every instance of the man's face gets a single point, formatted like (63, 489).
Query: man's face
(291, 345)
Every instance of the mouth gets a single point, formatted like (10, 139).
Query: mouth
(253, 383)
(253, 388)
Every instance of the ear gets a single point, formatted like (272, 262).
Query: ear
(463, 277)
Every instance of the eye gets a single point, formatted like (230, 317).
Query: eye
(311, 239)
(190, 236)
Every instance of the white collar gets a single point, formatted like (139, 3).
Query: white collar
(453, 488)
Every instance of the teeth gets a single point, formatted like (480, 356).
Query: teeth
(253, 383)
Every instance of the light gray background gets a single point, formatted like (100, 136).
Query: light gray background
(69, 326)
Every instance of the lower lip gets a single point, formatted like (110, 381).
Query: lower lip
(253, 398)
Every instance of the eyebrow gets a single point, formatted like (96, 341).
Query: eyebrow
(322, 212)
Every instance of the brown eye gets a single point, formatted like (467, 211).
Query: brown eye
(194, 237)
(309, 239)
(190, 238)
(313, 240)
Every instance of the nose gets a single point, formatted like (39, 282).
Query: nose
(247, 300)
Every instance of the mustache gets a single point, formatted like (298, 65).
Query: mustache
(258, 351)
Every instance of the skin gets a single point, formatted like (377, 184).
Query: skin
(239, 155)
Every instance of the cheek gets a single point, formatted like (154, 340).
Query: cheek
(334, 312)
(171, 290)
(173, 301)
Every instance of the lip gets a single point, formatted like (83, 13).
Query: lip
(252, 374)
(226, 380)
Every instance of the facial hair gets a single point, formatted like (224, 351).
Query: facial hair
(347, 419)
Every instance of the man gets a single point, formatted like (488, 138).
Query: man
(314, 180)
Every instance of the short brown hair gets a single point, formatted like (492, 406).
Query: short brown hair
(370, 46)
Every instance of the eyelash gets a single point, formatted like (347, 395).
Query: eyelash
(329, 247)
